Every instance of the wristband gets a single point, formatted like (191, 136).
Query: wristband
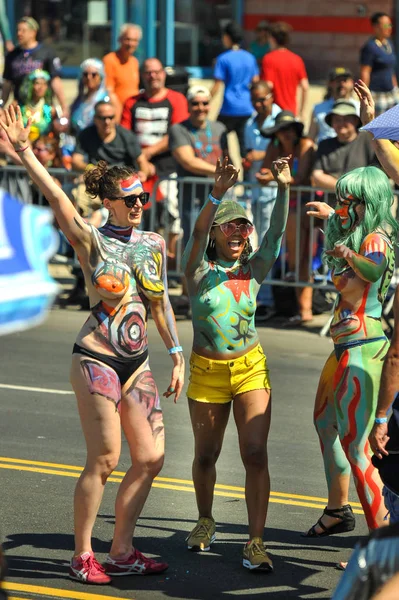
(380, 420)
(22, 149)
(214, 200)
(175, 350)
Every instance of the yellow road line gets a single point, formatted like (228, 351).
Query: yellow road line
(78, 470)
(58, 593)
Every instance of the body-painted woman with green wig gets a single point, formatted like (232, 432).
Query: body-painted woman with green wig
(228, 368)
(360, 237)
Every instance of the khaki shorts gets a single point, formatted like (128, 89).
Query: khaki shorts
(220, 381)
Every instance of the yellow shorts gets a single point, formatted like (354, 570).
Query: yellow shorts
(220, 381)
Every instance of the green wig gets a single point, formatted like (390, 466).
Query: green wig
(370, 186)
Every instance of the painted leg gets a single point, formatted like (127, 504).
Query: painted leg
(101, 428)
(142, 424)
(336, 465)
(358, 379)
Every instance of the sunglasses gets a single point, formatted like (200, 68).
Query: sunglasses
(198, 102)
(131, 200)
(244, 229)
(101, 118)
(88, 74)
(258, 100)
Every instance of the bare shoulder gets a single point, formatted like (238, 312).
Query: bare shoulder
(306, 143)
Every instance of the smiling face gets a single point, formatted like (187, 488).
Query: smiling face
(199, 109)
(345, 126)
(350, 211)
(120, 214)
(262, 100)
(229, 247)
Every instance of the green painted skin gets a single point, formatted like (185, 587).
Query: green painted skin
(223, 295)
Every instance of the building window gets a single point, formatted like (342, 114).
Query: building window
(76, 29)
(198, 26)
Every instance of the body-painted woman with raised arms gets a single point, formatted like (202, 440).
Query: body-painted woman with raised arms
(360, 238)
(228, 367)
(125, 274)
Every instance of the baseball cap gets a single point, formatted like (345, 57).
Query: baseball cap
(339, 72)
(195, 90)
(228, 211)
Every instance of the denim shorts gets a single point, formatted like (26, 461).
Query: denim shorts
(391, 504)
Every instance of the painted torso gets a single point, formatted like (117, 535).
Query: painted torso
(122, 276)
(223, 303)
(358, 308)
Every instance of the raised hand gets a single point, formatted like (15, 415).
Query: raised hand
(225, 175)
(281, 170)
(320, 209)
(13, 125)
(367, 106)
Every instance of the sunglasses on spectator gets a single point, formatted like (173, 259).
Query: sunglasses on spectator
(131, 200)
(244, 229)
(101, 118)
(198, 102)
(89, 74)
(153, 72)
(258, 100)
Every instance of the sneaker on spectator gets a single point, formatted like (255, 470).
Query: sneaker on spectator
(133, 564)
(202, 536)
(87, 569)
(256, 557)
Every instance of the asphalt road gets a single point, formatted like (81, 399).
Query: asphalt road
(42, 450)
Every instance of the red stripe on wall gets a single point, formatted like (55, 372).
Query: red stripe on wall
(317, 24)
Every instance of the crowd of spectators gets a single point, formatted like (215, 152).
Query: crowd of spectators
(124, 113)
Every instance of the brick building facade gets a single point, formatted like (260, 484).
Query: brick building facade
(326, 33)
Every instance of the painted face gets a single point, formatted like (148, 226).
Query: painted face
(347, 210)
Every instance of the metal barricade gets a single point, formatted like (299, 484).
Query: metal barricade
(191, 195)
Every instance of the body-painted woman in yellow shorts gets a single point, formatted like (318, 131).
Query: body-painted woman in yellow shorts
(227, 366)
(125, 273)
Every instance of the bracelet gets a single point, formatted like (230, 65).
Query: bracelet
(175, 350)
(380, 420)
(214, 200)
(22, 149)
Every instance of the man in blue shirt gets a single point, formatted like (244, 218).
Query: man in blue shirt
(263, 198)
(237, 69)
(378, 61)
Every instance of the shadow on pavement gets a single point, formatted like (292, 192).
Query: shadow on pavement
(191, 576)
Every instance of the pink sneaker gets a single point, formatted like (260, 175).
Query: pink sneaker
(134, 564)
(87, 569)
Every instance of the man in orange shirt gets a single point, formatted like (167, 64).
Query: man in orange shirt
(122, 69)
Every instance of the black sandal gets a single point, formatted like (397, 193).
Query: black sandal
(348, 521)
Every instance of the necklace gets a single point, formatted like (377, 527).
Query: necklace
(198, 143)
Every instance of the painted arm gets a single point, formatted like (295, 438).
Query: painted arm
(389, 387)
(386, 152)
(164, 318)
(225, 177)
(69, 220)
(370, 263)
(269, 248)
